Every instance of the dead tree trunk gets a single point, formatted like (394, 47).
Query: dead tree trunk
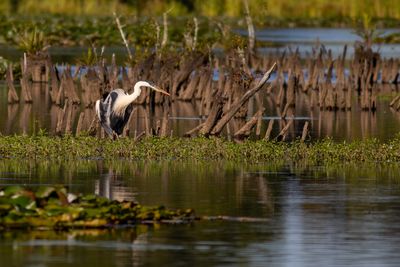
(12, 93)
(236, 105)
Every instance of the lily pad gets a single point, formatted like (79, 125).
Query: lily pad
(49, 207)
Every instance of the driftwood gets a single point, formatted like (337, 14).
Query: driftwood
(305, 131)
(215, 113)
(195, 129)
(236, 105)
(246, 129)
(194, 61)
(282, 135)
(269, 130)
(394, 101)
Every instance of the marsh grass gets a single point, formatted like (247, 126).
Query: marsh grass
(200, 148)
(31, 41)
(89, 58)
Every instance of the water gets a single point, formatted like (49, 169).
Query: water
(355, 124)
(351, 125)
(332, 38)
(277, 40)
(341, 215)
(314, 216)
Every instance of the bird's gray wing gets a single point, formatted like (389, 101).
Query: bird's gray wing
(104, 112)
(118, 122)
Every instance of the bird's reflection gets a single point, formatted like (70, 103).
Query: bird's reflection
(111, 186)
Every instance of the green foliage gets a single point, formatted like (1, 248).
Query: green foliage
(200, 148)
(88, 59)
(55, 208)
(260, 9)
(367, 30)
(4, 63)
(31, 41)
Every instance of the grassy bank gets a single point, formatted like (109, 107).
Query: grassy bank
(201, 149)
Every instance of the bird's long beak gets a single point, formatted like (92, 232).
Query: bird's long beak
(160, 90)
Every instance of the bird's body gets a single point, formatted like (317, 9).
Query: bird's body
(115, 108)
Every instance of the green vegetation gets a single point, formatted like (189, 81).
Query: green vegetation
(31, 42)
(55, 208)
(4, 63)
(230, 8)
(200, 148)
(99, 31)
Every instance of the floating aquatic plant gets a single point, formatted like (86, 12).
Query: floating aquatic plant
(54, 208)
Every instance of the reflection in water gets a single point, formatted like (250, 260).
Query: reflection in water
(339, 215)
(109, 186)
(184, 116)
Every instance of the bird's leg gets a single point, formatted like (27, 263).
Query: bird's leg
(114, 135)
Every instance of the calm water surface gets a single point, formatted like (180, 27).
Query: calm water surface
(351, 125)
(346, 215)
(314, 216)
(354, 124)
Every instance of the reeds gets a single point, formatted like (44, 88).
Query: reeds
(226, 100)
(231, 102)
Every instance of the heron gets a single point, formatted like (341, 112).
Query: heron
(115, 107)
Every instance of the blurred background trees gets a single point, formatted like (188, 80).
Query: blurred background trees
(210, 8)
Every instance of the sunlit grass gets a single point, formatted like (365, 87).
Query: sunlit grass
(200, 148)
(260, 9)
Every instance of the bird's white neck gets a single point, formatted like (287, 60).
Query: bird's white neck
(126, 100)
(136, 92)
